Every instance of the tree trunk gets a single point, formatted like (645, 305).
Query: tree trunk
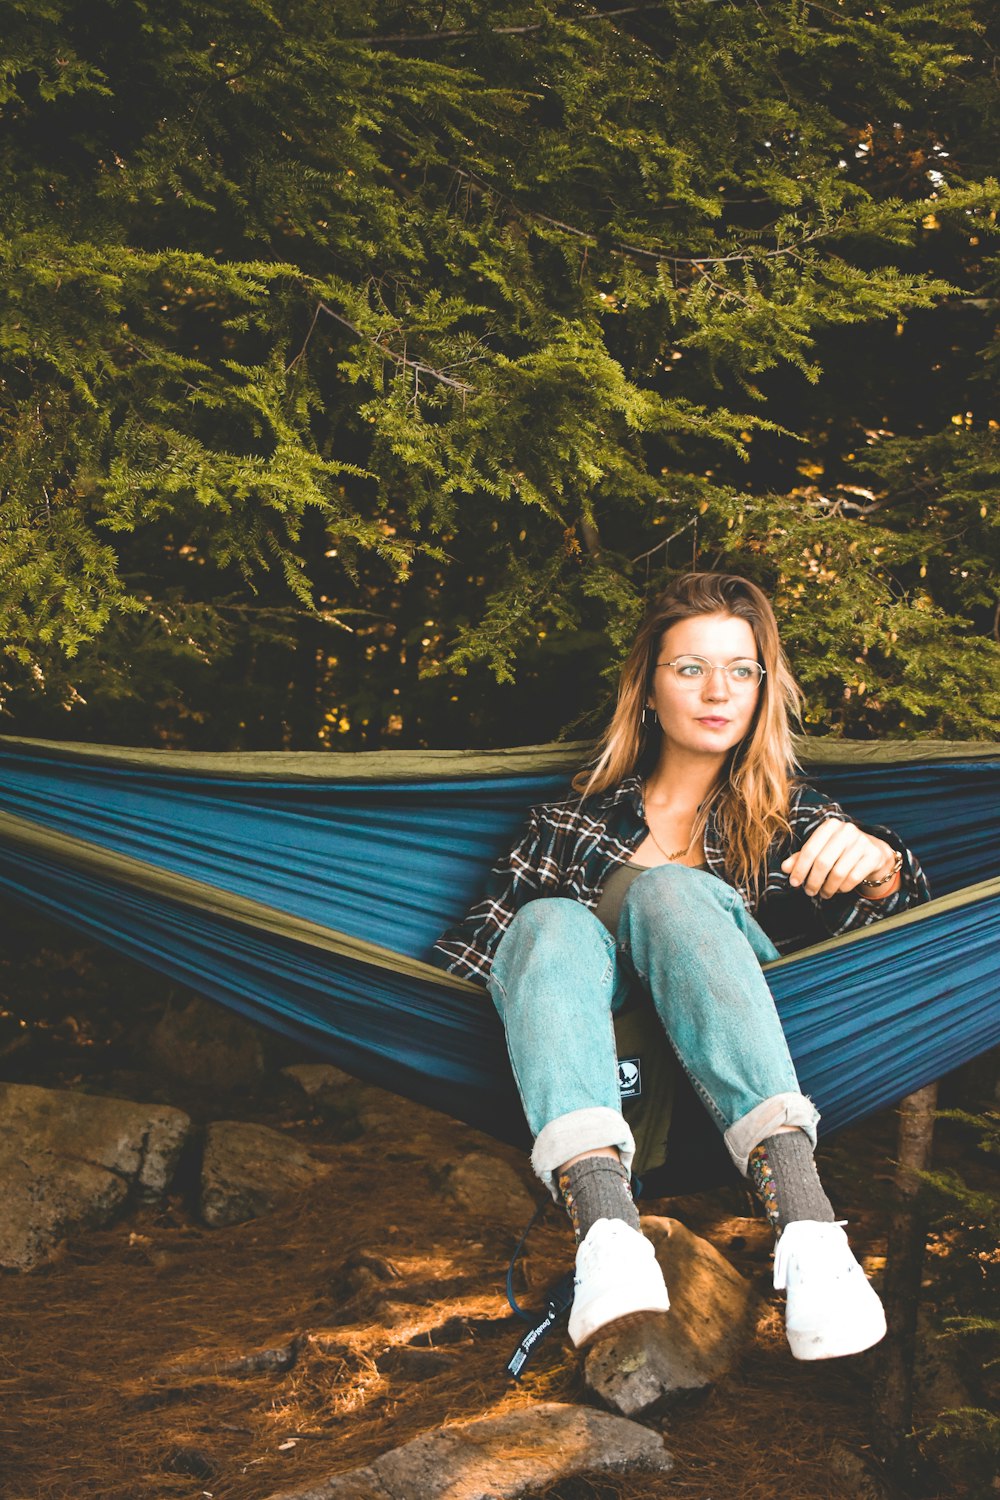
(892, 1429)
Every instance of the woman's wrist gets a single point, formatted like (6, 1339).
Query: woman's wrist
(887, 878)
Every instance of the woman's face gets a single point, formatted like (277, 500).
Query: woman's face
(709, 713)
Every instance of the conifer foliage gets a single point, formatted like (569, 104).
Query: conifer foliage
(364, 368)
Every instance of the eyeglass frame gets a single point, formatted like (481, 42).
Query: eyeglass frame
(714, 666)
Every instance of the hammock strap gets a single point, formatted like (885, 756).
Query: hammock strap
(558, 1301)
(527, 1317)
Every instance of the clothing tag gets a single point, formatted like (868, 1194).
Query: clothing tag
(630, 1077)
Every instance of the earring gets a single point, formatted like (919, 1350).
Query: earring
(649, 719)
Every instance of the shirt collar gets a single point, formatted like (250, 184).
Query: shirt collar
(629, 789)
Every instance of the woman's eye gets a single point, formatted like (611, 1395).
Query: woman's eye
(690, 669)
(741, 673)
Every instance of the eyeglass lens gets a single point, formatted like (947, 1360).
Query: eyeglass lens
(741, 673)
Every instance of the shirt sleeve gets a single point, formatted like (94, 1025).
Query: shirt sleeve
(468, 947)
(848, 912)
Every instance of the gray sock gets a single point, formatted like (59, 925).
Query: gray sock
(785, 1180)
(597, 1187)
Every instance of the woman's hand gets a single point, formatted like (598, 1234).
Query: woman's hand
(837, 857)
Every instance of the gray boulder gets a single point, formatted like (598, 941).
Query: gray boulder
(713, 1314)
(340, 1099)
(247, 1169)
(498, 1457)
(347, 1100)
(206, 1045)
(320, 1081)
(72, 1161)
(486, 1186)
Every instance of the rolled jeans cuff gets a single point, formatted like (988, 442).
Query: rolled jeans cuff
(767, 1117)
(579, 1131)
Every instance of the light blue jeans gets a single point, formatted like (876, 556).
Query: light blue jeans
(685, 936)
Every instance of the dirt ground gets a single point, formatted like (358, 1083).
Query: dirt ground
(160, 1358)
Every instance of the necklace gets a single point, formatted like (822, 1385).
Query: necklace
(677, 852)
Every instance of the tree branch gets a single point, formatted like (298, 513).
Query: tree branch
(305, 342)
(623, 247)
(460, 35)
(666, 542)
(402, 360)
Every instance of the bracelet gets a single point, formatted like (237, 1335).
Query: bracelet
(897, 865)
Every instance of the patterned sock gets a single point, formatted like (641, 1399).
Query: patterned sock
(597, 1187)
(784, 1177)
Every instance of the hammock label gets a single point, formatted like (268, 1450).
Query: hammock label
(630, 1077)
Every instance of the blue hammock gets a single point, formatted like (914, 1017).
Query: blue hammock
(306, 890)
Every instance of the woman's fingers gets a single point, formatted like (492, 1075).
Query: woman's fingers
(811, 864)
(853, 866)
(821, 879)
(836, 857)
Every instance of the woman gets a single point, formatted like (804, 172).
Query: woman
(690, 857)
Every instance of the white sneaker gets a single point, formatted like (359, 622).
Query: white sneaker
(831, 1307)
(617, 1275)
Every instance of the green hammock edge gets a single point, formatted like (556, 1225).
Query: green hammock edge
(125, 869)
(429, 765)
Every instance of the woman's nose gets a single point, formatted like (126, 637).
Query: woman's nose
(717, 684)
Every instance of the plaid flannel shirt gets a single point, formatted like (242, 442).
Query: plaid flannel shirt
(569, 848)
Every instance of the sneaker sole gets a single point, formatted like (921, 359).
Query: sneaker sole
(812, 1346)
(616, 1326)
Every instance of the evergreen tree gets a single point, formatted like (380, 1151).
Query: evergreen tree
(365, 368)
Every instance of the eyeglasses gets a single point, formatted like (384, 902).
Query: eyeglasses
(694, 670)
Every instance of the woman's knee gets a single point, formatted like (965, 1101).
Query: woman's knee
(671, 891)
(553, 945)
(689, 910)
(552, 923)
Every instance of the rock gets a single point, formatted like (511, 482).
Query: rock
(247, 1169)
(712, 1316)
(484, 1185)
(498, 1457)
(374, 1117)
(334, 1094)
(208, 1046)
(340, 1095)
(363, 1273)
(321, 1081)
(71, 1161)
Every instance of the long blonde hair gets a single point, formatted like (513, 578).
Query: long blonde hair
(751, 799)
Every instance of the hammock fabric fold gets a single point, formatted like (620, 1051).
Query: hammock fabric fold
(306, 890)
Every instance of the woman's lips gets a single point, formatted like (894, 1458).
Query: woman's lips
(711, 722)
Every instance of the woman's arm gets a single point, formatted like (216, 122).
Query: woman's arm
(467, 948)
